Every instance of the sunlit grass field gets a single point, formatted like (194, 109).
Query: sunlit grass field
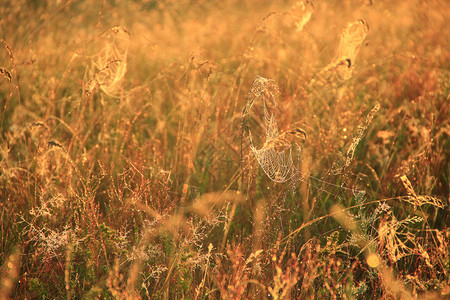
(224, 149)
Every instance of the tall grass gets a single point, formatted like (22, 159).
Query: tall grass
(224, 149)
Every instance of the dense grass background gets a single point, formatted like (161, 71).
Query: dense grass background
(129, 173)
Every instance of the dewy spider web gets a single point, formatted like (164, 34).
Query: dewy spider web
(277, 164)
(111, 61)
(341, 67)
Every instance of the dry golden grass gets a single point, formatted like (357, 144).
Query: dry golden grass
(224, 149)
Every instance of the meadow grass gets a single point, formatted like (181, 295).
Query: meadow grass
(224, 149)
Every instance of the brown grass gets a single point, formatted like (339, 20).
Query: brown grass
(224, 149)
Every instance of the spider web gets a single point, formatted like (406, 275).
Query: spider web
(342, 66)
(111, 61)
(277, 164)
